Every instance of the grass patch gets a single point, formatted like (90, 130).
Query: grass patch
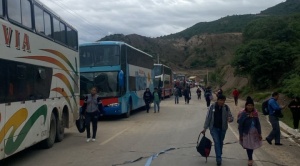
(287, 117)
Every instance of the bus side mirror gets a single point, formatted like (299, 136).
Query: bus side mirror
(121, 79)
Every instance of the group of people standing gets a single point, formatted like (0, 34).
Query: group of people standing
(155, 97)
(186, 92)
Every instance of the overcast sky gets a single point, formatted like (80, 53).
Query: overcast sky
(95, 19)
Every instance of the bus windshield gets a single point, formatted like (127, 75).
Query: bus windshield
(106, 82)
(158, 82)
(100, 55)
(157, 70)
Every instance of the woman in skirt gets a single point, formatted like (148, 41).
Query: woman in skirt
(249, 129)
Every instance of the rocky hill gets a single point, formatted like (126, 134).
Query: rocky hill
(207, 45)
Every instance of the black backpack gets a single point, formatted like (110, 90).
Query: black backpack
(264, 107)
(80, 123)
(204, 146)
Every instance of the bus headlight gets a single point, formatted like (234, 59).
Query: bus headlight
(114, 105)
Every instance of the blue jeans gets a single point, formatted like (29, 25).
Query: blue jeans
(156, 104)
(91, 117)
(218, 136)
(176, 99)
(275, 133)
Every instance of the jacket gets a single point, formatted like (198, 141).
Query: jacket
(187, 92)
(147, 96)
(226, 117)
(294, 106)
(245, 122)
(273, 106)
(159, 95)
(92, 104)
(235, 93)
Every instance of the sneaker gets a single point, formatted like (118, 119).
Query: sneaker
(279, 144)
(93, 139)
(88, 140)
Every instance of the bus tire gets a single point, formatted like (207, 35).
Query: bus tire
(127, 115)
(60, 128)
(49, 142)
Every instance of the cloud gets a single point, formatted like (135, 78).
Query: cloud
(96, 19)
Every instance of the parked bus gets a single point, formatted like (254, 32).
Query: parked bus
(119, 71)
(163, 79)
(39, 82)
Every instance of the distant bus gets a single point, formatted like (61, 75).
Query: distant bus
(39, 79)
(163, 79)
(119, 71)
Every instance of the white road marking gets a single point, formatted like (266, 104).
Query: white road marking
(113, 137)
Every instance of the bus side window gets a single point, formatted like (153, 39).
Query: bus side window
(26, 14)
(14, 10)
(39, 20)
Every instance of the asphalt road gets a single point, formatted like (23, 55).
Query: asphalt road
(174, 130)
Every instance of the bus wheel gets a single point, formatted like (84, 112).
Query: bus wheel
(60, 130)
(49, 142)
(127, 115)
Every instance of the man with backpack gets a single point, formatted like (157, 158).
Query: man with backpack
(217, 119)
(274, 114)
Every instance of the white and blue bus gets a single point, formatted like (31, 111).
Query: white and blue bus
(163, 79)
(119, 71)
(39, 79)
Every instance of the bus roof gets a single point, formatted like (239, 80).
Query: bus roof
(155, 64)
(111, 43)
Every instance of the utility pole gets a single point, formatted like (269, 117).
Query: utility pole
(207, 76)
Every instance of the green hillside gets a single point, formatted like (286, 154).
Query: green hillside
(236, 23)
(284, 8)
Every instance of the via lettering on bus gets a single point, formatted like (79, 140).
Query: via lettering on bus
(8, 33)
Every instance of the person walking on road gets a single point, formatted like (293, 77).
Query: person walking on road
(198, 92)
(219, 92)
(249, 129)
(176, 94)
(295, 108)
(92, 107)
(147, 99)
(235, 95)
(217, 119)
(187, 95)
(156, 99)
(274, 110)
(208, 96)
